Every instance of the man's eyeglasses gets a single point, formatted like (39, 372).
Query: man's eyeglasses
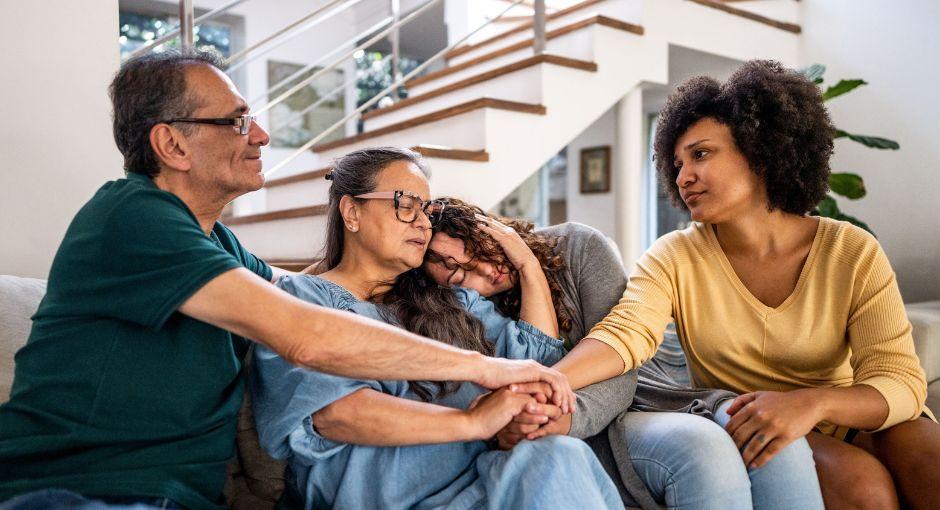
(408, 204)
(241, 124)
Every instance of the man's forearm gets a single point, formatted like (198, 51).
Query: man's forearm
(324, 339)
(347, 344)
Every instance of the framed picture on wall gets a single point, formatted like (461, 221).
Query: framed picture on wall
(595, 169)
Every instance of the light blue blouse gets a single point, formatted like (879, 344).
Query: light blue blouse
(332, 474)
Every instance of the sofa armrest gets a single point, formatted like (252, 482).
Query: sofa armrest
(925, 319)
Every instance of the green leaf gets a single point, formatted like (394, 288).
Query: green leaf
(814, 73)
(855, 221)
(828, 208)
(847, 185)
(869, 141)
(841, 88)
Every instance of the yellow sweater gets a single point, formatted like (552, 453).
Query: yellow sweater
(843, 324)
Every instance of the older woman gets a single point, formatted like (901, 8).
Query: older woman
(412, 444)
(800, 314)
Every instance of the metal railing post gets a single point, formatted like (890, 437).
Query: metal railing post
(538, 25)
(186, 25)
(395, 38)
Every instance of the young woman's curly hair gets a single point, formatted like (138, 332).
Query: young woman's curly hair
(458, 221)
(778, 122)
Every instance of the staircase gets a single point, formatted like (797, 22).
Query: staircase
(496, 112)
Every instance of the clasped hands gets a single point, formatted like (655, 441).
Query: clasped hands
(519, 411)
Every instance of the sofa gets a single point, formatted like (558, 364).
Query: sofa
(256, 480)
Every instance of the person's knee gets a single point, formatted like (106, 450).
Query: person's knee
(707, 455)
(560, 449)
(795, 460)
(871, 488)
(859, 481)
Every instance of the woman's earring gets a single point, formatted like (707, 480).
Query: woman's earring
(352, 228)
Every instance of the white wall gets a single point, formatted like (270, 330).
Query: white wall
(594, 209)
(893, 46)
(58, 59)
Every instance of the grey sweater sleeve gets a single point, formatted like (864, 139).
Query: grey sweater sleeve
(600, 403)
(599, 280)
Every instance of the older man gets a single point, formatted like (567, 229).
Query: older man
(128, 387)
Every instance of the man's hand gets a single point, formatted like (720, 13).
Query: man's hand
(765, 422)
(498, 372)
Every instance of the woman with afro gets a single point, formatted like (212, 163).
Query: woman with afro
(799, 314)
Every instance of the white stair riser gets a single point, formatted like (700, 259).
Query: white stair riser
(575, 45)
(297, 194)
(294, 238)
(710, 30)
(523, 86)
(464, 131)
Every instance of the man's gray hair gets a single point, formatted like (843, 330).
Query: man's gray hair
(149, 89)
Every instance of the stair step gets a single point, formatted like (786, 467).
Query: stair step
(295, 265)
(429, 151)
(466, 48)
(476, 104)
(434, 151)
(485, 76)
(601, 20)
(722, 6)
(291, 179)
(296, 212)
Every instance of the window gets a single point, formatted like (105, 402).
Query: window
(138, 29)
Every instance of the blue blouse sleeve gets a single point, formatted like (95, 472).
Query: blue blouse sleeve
(285, 396)
(513, 339)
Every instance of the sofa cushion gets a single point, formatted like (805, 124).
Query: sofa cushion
(925, 320)
(933, 397)
(19, 299)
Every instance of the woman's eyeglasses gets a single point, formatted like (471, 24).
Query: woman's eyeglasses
(407, 205)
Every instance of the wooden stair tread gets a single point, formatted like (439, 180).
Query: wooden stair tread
(433, 151)
(305, 176)
(558, 32)
(488, 75)
(484, 102)
(460, 50)
(296, 265)
(296, 212)
(722, 6)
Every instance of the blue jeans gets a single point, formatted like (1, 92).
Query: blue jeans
(688, 461)
(56, 499)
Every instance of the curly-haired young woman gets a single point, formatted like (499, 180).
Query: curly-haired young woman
(800, 314)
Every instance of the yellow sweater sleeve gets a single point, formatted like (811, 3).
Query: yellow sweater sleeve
(879, 333)
(635, 326)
